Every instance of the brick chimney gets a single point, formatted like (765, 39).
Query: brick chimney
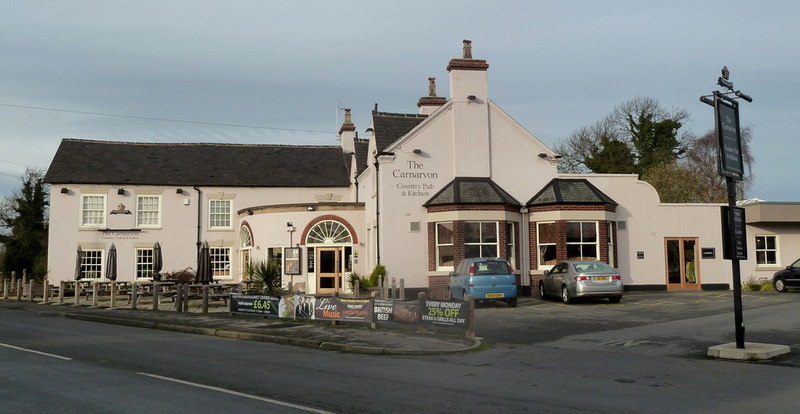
(468, 76)
(347, 133)
(428, 104)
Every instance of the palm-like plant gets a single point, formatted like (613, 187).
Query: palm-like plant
(266, 276)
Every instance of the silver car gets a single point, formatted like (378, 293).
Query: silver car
(581, 278)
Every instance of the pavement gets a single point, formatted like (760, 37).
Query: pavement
(327, 336)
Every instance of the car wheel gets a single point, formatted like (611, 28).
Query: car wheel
(541, 291)
(512, 302)
(565, 295)
(779, 285)
(614, 299)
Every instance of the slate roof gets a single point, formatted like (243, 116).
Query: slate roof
(389, 127)
(472, 190)
(362, 155)
(106, 162)
(570, 191)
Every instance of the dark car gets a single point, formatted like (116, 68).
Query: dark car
(787, 278)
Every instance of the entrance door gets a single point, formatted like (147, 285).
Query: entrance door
(329, 269)
(683, 271)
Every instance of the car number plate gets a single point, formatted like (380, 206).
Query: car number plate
(494, 295)
(601, 278)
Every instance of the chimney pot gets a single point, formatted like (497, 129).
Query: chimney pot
(467, 49)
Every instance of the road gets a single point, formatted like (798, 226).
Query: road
(550, 366)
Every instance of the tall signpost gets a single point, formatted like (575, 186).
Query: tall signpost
(731, 166)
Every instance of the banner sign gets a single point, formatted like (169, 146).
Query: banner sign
(445, 312)
(255, 304)
(449, 313)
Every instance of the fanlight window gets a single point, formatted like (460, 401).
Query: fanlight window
(328, 232)
(246, 239)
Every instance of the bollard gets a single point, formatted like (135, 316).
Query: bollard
(394, 289)
(186, 298)
(205, 298)
(77, 294)
(19, 289)
(402, 289)
(61, 286)
(470, 316)
(5, 288)
(373, 324)
(24, 277)
(156, 295)
(30, 290)
(179, 297)
(356, 288)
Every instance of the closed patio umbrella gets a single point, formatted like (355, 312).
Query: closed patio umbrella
(158, 261)
(111, 267)
(78, 263)
(204, 275)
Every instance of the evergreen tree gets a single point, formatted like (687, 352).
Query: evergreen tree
(23, 216)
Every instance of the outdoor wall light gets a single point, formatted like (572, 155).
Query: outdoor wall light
(121, 191)
(310, 208)
(543, 155)
(179, 191)
(249, 212)
(417, 151)
(472, 98)
(289, 224)
(64, 190)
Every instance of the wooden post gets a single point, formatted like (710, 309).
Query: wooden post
(205, 298)
(471, 316)
(77, 294)
(61, 286)
(421, 298)
(45, 291)
(113, 294)
(356, 288)
(402, 289)
(5, 288)
(373, 324)
(134, 295)
(179, 297)
(156, 295)
(95, 287)
(19, 289)
(30, 290)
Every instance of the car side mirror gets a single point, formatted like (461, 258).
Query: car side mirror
(452, 274)
(546, 272)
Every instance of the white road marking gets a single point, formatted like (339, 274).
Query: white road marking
(238, 394)
(36, 352)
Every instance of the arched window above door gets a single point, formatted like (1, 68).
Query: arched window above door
(329, 232)
(245, 238)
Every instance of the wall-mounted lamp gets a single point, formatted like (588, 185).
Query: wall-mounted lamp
(472, 98)
(289, 224)
(369, 130)
(543, 155)
(551, 158)
(417, 151)
(179, 191)
(310, 208)
(121, 191)
(64, 190)
(249, 212)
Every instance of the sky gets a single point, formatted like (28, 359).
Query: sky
(280, 72)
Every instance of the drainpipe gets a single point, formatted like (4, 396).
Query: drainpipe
(199, 222)
(377, 206)
(525, 249)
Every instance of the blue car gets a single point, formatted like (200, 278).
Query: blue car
(485, 280)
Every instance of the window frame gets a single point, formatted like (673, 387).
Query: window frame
(144, 270)
(451, 244)
(221, 269)
(215, 217)
(102, 211)
(98, 266)
(539, 244)
(511, 243)
(482, 243)
(583, 243)
(139, 211)
(766, 250)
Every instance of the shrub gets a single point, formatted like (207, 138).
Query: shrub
(378, 275)
(751, 285)
(767, 286)
(362, 281)
(179, 276)
(266, 276)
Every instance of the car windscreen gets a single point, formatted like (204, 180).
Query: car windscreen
(593, 267)
(491, 268)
